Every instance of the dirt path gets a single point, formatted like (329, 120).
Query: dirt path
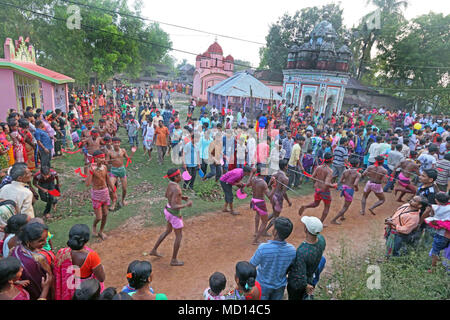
(216, 241)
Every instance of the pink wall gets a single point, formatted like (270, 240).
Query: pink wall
(8, 98)
(48, 91)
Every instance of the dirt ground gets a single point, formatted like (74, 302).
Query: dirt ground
(216, 241)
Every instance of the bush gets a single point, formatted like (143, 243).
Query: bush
(401, 278)
(381, 122)
(209, 190)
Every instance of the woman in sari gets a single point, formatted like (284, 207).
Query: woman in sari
(36, 264)
(29, 144)
(18, 142)
(69, 141)
(76, 263)
(5, 147)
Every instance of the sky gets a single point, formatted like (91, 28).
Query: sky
(249, 20)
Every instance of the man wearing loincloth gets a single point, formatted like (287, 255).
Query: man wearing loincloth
(90, 144)
(258, 203)
(377, 175)
(279, 182)
(101, 186)
(349, 180)
(408, 168)
(118, 171)
(173, 215)
(323, 175)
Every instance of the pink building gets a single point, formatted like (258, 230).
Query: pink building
(23, 83)
(211, 68)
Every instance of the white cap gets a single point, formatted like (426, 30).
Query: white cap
(313, 224)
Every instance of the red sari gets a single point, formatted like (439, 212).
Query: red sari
(67, 277)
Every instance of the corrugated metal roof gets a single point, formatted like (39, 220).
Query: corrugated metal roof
(239, 86)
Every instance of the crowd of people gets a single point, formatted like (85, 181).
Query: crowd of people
(282, 149)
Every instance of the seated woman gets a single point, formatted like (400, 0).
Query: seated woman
(404, 221)
(11, 288)
(33, 237)
(77, 254)
(140, 279)
(247, 288)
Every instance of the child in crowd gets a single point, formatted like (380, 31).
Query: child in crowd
(217, 283)
(440, 220)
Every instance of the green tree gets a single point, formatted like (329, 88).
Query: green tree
(241, 65)
(416, 64)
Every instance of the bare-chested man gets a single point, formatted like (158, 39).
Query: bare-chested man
(102, 130)
(91, 143)
(173, 215)
(118, 171)
(258, 203)
(408, 168)
(349, 180)
(377, 175)
(323, 176)
(101, 186)
(279, 182)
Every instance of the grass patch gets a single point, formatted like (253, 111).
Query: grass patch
(401, 278)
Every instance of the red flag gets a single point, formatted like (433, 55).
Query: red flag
(307, 174)
(54, 193)
(128, 162)
(80, 173)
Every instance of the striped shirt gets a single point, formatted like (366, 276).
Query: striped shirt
(443, 170)
(340, 155)
(272, 260)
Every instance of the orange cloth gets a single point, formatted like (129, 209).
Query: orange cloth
(405, 219)
(161, 138)
(92, 261)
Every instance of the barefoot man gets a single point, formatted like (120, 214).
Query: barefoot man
(118, 171)
(173, 215)
(258, 203)
(323, 176)
(349, 180)
(408, 168)
(91, 143)
(101, 186)
(233, 178)
(377, 175)
(279, 182)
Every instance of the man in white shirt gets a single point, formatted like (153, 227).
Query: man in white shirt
(428, 160)
(374, 150)
(16, 190)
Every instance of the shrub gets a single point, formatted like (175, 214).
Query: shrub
(401, 278)
(208, 190)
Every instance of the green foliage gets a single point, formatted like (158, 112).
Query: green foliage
(381, 122)
(209, 190)
(402, 278)
(241, 65)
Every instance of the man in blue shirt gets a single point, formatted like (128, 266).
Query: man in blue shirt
(191, 163)
(45, 145)
(273, 259)
(262, 122)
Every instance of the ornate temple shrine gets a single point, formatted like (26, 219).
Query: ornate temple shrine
(211, 68)
(317, 73)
